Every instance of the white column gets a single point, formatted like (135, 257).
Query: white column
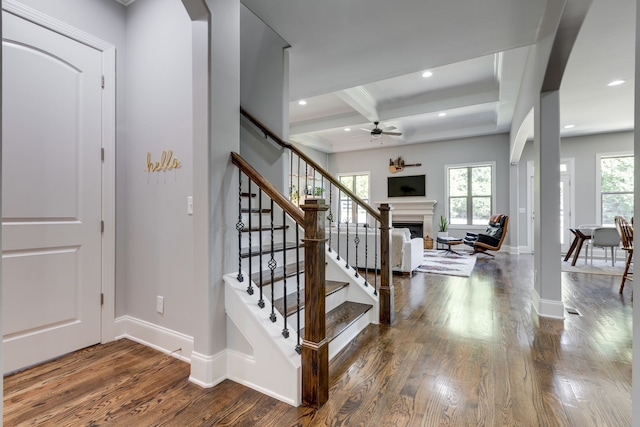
(547, 293)
(635, 396)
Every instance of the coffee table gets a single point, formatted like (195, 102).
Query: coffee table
(450, 241)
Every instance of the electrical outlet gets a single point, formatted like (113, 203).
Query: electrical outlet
(160, 304)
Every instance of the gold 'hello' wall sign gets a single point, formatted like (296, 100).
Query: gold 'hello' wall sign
(166, 163)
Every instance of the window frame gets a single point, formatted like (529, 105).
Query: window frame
(339, 200)
(598, 178)
(447, 196)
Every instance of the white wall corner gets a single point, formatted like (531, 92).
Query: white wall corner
(125, 2)
(157, 337)
(547, 308)
(208, 371)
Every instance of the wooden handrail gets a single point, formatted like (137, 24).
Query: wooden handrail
(264, 129)
(268, 188)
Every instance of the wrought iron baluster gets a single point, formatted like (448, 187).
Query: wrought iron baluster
(272, 267)
(261, 300)
(356, 240)
(306, 179)
(338, 245)
(330, 216)
(285, 330)
(299, 189)
(298, 345)
(366, 249)
(250, 231)
(346, 256)
(239, 227)
(375, 277)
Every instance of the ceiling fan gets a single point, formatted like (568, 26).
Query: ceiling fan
(376, 132)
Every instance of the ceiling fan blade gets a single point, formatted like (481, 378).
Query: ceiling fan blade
(388, 128)
(366, 130)
(392, 133)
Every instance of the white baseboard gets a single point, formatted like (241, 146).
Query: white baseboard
(157, 337)
(208, 371)
(547, 308)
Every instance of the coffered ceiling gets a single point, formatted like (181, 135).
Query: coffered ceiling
(362, 61)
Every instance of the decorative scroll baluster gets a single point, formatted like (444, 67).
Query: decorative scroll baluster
(272, 266)
(357, 242)
(250, 232)
(239, 227)
(285, 330)
(298, 345)
(261, 300)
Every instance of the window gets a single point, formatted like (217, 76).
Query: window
(349, 211)
(470, 190)
(616, 187)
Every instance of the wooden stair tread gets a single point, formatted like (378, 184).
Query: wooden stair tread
(331, 286)
(279, 273)
(266, 249)
(341, 317)
(275, 227)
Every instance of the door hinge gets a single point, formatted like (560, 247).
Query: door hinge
(102, 82)
(102, 226)
(101, 299)
(102, 154)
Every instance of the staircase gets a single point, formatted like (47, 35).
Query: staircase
(294, 302)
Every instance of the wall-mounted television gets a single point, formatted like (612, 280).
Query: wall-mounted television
(406, 186)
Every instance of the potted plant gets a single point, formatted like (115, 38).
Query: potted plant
(443, 226)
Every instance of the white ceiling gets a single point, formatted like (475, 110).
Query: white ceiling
(358, 61)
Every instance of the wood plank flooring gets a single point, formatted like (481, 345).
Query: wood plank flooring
(462, 351)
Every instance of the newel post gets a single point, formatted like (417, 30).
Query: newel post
(386, 280)
(315, 348)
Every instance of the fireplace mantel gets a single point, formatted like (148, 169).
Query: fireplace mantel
(413, 210)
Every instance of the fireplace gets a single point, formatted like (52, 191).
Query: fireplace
(416, 228)
(412, 211)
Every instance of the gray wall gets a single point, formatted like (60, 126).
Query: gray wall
(263, 93)
(156, 242)
(583, 149)
(433, 156)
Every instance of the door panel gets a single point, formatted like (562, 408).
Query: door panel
(51, 206)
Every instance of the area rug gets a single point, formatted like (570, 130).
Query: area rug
(599, 267)
(437, 262)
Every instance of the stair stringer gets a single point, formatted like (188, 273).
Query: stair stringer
(357, 291)
(274, 367)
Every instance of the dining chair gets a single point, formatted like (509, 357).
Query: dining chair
(626, 235)
(603, 237)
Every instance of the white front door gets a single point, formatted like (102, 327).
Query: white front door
(51, 194)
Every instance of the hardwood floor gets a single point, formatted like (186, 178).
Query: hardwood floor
(462, 351)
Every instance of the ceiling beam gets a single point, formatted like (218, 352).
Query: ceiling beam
(360, 100)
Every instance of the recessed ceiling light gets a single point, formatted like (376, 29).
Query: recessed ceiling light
(427, 74)
(616, 82)
(442, 114)
(569, 126)
(302, 102)
(347, 129)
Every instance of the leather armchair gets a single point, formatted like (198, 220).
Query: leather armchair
(492, 238)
